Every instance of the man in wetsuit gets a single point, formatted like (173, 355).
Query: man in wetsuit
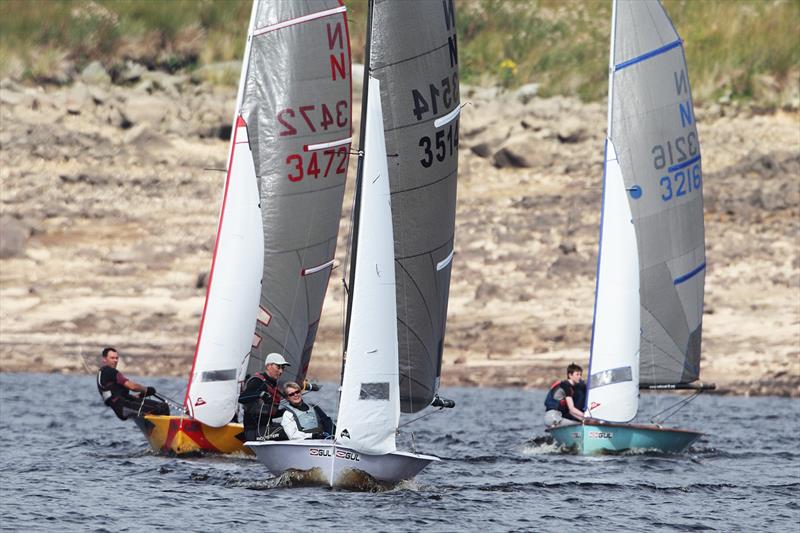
(260, 399)
(114, 388)
(560, 408)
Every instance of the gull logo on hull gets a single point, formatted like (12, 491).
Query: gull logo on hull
(199, 402)
(350, 456)
(319, 452)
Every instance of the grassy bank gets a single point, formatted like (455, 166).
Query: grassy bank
(739, 49)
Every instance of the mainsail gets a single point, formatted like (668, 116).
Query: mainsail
(297, 104)
(652, 127)
(413, 53)
(282, 202)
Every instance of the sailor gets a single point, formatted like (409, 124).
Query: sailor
(114, 388)
(260, 398)
(560, 408)
(303, 421)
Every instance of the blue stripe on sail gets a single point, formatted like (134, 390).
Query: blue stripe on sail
(689, 275)
(648, 55)
(685, 164)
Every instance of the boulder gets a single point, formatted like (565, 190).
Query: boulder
(95, 74)
(13, 236)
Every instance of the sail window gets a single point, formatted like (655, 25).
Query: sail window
(611, 376)
(263, 316)
(218, 375)
(374, 391)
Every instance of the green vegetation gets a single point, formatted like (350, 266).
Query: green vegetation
(746, 49)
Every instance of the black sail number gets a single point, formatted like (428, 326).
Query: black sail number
(443, 143)
(428, 100)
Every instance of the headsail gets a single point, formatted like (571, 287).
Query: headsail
(233, 286)
(297, 103)
(413, 52)
(369, 410)
(653, 129)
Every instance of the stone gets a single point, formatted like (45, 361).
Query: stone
(13, 237)
(95, 74)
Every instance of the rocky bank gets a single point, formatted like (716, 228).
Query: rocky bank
(110, 197)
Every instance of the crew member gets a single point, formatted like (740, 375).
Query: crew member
(560, 408)
(303, 421)
(260, 398)
(114, 387)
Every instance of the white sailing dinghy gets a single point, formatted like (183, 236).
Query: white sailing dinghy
(651, 265)
(279, 218)
(402, 251)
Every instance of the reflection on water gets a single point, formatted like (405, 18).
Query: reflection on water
(66, 463)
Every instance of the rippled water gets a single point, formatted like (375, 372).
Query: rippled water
(66, 463)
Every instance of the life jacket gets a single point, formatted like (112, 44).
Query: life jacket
(550, 401)
(307, 421)
(112, 390)
(254, 408)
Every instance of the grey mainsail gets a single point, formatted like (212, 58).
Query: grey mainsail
(297, 105)
(653, 129)
(413, 53)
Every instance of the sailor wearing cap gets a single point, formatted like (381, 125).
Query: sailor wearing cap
(260, 399)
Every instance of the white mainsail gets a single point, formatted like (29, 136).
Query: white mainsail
(229, 315)
(369, 410)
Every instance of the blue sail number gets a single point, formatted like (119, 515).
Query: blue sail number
(681, 182)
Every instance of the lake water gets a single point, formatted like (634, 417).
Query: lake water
(67, 464)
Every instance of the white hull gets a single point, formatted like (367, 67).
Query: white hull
(325, 463)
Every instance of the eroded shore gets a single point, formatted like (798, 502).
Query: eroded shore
(110, 197)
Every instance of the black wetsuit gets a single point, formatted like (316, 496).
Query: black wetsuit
(260, 399)
(110, 385)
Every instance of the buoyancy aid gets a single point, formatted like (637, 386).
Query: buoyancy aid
(550, 401)
(307, 421)
(250, 397)
(109, 389)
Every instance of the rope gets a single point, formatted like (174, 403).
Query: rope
(429, 413)
(673, 409)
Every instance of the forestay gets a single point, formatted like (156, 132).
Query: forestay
(369, 409)
(297, 104)
(413, 52)
(653, 129)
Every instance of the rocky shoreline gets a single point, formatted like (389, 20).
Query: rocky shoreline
(110, 197)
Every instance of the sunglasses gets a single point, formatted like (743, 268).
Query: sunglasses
(295, 393)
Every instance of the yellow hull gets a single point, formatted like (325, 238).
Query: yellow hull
(179, 435)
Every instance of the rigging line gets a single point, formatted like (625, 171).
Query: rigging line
(429, 413)
(675, 408)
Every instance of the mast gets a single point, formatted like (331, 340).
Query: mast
(611, 66)
(359, 177)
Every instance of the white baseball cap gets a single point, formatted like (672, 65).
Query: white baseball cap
(276, 359)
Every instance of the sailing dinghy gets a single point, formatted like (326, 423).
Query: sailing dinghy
(404, 220)
(279, 218)
(651, 265)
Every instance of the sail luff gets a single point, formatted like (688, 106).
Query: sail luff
(359, 175)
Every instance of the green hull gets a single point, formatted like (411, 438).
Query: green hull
(595, 437)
